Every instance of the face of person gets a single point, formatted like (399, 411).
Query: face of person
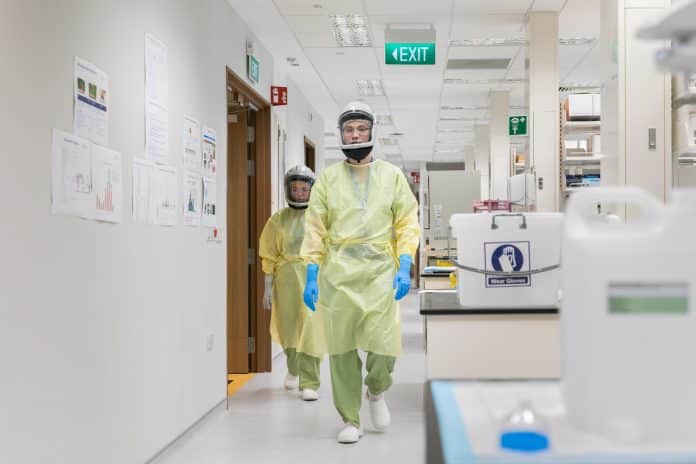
(299, 190)
(356, 131)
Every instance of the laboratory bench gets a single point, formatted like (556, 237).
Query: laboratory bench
(488, 343)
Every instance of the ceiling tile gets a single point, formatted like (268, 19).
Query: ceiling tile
(312, 31)
(413, 7)
(306, 7)
(487, 26)
(467, 7)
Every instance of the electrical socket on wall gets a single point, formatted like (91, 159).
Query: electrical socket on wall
(210, 342)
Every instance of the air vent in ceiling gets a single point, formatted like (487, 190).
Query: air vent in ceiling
(472, 65)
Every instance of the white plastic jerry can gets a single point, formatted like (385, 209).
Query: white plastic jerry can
(628, 317)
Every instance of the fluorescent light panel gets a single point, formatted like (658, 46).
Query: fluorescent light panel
(350, 30)
(385, 120)
(370, 87)
(485, 81)
(521, 40)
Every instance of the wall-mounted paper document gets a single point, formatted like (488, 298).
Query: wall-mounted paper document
(107, 176)
(167, 194)
(209, 152)
(156, 133)
(209, 202)
(193, 190)
(91, 109)
(71, 175)
(156, 72)
(192, 144)
(144, 192)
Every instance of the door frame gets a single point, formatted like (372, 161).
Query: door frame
(239, 270)
(310, 154)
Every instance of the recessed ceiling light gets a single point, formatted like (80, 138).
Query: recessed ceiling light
(521, 40)
(455, 131)
(385, 120)
(317, 6)
(485, 81)
(295, 64)
(369, 87)
(350, 30)
(388, 141)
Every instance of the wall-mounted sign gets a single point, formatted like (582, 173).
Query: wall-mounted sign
(409, 53)
(253, 68)
(518, 125)
(279, 95)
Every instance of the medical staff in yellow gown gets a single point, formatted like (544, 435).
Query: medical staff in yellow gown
(279, 249)
(361, 233)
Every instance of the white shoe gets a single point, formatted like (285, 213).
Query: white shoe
(379, 412)
(292, 382)
(349, 434)
(310, 395)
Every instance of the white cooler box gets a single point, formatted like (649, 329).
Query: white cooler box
(502, 254)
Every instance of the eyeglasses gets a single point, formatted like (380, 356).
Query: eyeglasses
(360, 129)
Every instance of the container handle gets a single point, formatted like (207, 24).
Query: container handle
(522, 226)
(582, 203)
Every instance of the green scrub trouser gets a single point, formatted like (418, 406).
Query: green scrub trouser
(304, 365)
(346, 381)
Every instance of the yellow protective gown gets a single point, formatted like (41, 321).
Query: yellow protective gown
(279, 249)
(360, 219)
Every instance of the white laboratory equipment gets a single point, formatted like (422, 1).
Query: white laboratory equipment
(628, 320)
(508, 260)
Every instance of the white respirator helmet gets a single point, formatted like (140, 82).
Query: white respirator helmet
(302, 174)
(357, 111)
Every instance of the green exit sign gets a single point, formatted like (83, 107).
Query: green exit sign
(409, 53)
(253, 69)
(518, 125)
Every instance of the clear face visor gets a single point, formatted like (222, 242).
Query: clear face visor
(299, 191)
(356, 131)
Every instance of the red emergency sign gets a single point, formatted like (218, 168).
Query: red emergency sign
(279, 95)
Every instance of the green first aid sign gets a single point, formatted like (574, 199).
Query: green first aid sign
(518, 125)
(409, 53)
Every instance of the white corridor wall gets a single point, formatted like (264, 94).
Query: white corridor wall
(103, 327)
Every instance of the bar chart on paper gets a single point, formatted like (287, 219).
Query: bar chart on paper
(105, 200)
(108, 188)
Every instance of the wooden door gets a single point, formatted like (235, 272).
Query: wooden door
(248, 209)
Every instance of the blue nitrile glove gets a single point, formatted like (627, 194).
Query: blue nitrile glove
(311, 290)
(402, 280)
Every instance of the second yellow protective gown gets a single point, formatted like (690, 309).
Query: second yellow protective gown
(279, 249)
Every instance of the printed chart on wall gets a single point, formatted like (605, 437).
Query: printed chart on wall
(156, 100)
(192, 144)
(166, 196)
(71, 175)
(144, 185)
(209, 152)
(107, 170)
(192, 198)
(91, 110)
(209, 202)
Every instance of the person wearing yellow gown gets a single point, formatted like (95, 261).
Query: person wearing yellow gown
(361, 233)
(279, 249)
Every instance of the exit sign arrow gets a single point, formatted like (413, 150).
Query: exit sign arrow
(409, 53)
